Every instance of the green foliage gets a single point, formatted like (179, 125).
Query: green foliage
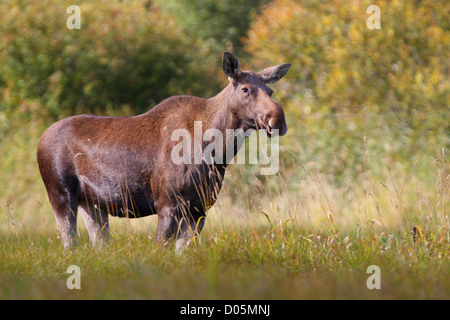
(403, 66)
(221, 24)
(359, 99)
(126, 53)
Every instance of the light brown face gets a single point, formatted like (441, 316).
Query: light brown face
(252, 98)
(254, 105)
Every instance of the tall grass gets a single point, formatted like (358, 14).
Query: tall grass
(284, 237)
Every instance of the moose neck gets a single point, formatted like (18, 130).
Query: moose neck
(220, 112)
(220, 116)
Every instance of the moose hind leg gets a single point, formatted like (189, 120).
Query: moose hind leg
(65, 211)
(97, 224)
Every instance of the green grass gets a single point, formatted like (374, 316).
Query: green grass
(243, 261)
(234, 267)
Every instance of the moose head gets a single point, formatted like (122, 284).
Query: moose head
(251, 98)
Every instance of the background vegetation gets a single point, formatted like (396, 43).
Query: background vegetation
(364, 161)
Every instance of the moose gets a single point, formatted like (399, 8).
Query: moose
(100, 165)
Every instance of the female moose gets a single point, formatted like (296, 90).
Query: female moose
(122, 165)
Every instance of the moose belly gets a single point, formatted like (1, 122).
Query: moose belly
(118, 198)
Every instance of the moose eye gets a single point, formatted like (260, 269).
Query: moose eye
(245, 90)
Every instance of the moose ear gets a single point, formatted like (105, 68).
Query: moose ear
(231, 66)
(273, 74)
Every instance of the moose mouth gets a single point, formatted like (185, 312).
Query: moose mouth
(273, 131)
(269, 129)
(264, 125)
(260, 124)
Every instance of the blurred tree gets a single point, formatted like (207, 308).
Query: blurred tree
(349, 82)
(126, 53)
(222, 24)
(403, 66)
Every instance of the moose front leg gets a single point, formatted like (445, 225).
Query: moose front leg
(167, 224)
(188, 228)
(183, 227)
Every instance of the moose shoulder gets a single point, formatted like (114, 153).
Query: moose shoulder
(122, 165)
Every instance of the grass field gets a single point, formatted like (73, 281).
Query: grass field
(276, 244)
(283, 262)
